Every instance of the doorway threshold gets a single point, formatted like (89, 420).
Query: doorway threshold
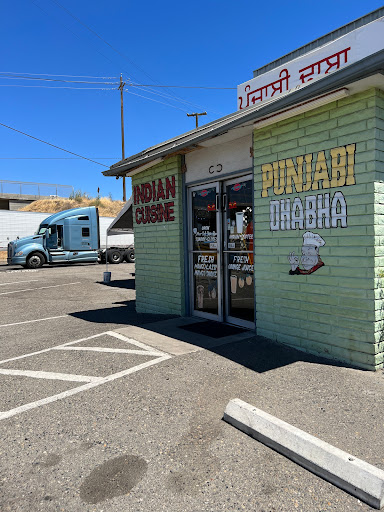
(170, 336)
(213, 329)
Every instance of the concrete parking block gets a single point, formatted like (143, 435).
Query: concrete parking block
(338, 467)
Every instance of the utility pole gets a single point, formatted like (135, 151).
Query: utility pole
(122, 129)
(196, 115)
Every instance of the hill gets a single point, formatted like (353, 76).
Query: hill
(106, 206)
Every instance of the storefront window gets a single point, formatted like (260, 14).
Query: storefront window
(205, 282)
(239, 253)
(204, 219)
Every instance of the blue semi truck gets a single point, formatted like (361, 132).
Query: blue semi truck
(70, 236)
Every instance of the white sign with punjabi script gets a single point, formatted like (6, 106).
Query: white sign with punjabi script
(341, 52)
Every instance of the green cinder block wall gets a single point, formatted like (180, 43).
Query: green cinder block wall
(159, 249)
(338, 310)
(379, 228)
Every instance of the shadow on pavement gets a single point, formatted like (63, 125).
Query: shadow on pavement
(124, 315)
(128, 284)
(261, 355)
(254, 352)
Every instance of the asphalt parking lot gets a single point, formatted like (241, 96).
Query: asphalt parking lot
(95, 420)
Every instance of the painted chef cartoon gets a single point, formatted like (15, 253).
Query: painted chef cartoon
(310, 259)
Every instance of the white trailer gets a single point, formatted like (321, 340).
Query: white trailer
(119, 241)
(15, 224)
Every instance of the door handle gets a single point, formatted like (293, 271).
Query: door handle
(217, 202)
(224, 202)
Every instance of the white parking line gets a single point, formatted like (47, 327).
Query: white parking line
(111, 350)
(79, 389)
(31, 321)
(41, 288)
(19, 270)
(30, 354)
(131, 341)
(17, 282)
(91, 381)
(51, 375)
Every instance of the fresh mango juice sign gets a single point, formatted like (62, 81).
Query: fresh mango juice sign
(324, 170)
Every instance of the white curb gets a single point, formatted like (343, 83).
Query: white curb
(340, 468)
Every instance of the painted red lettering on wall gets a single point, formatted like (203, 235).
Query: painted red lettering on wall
(153, 192)
(155, 213)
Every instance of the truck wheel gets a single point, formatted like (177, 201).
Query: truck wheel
(130, 256)
(115, 257)
(35, 260)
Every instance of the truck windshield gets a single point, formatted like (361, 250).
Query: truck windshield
(42, 229)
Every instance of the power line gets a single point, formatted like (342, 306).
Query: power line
(169, 97)
(49, 74)
(108, 44)
(75, 34)
(152, 99)
(72, 32)
(51, 158)
(165, 96)
(180, 86)
(99, 37)
(53, 145)
(60, 87)
(100, 89)
(56, 80)
(172, 95)
(131, 84)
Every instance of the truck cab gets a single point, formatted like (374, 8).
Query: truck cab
(68, 236)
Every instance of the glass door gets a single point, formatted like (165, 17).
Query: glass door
(205, 251)
(221, 251)
(238, 252)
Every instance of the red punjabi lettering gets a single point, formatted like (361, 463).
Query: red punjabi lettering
(315, 68)
(276, 86)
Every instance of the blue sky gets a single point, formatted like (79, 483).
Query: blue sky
(204, 43)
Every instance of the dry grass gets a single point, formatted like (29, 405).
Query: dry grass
(107, 207)
(3, 255)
